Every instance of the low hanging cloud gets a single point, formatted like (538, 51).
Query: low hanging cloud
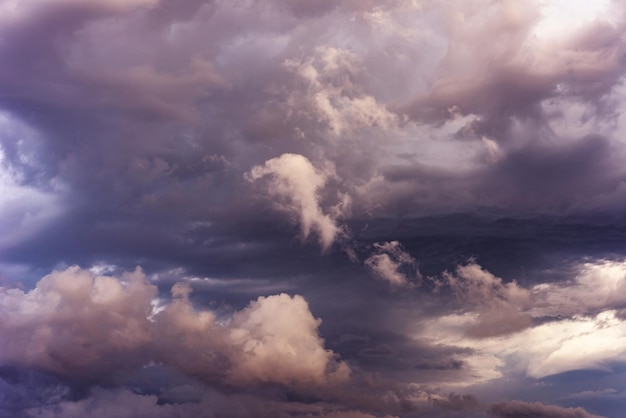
(515, 409)
(294, 179)
(95, 328)
(123, 403)
(390, 262)
(127, 127)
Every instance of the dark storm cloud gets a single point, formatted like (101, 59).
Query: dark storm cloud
(23, 388)
(561, 177)
(250, 149)
(514, 409)
(163, 124)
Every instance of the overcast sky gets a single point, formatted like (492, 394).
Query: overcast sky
(312, 208)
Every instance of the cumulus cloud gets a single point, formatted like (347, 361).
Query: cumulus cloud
(513, 409)
(390, 262)
(127, 127)
(81, 325)
(274, 339)
(294, 179)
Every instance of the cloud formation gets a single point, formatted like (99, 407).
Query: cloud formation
(596, 286)
(536, 409)
(390, 262)
(294, 179)
(196, 138)
(81, 325)
(500, 306)
(509, 331)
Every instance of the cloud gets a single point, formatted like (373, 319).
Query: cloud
(390, 262)
(78, 324)
(274, 339)
(81, 325)
(512, 409)
(21, 389)
(333, 95)
(294, 179)
(124, 403)
(580, 343)
(127, 128)
(294, 352)
(506, 80)
(511, 334)
(500, 306)
(597, 286)
(596, 394)
(457, 402)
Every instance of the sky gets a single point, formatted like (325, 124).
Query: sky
(312, 208)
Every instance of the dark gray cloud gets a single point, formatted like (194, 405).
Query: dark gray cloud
(470, 156)
(514, 409)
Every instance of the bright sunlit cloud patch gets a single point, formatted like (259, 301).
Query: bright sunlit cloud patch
(562, 17)
(586, 330)
(23, 207)
(579, 343)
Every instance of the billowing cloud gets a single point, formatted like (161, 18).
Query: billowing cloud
(274, 339)
(123, 403)
(192, 137)
(295, 180)
(78, 324)
(514, 409)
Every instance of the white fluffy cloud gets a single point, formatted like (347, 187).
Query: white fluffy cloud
(295, 180)
(279, 341)
(79, 324)
(274, 339)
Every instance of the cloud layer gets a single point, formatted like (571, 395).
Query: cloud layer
(80, 325)
(458, 167)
